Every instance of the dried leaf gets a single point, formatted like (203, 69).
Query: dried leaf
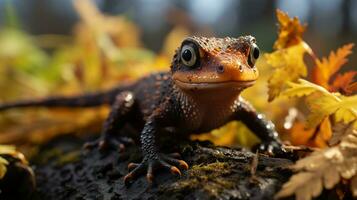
(354, 185)
(9, 150)
(312, 137)
(342, 83)
(300, 134)
(352, 88)
(327, 67)
(48, 123)
(340, 130)
(288, 58)
(323, 169)
(323, 134)
(290, 31)
(3, 164)
(289, 66)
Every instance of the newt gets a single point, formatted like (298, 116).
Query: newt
(201, 92)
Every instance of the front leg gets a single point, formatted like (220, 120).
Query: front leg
(119, 113)
(262, 127)
(152, 159)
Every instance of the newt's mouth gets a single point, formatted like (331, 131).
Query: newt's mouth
(214, 85)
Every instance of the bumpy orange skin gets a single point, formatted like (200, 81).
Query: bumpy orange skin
(221, 60)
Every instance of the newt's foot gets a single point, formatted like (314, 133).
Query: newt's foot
(104, 143)
(150, 165)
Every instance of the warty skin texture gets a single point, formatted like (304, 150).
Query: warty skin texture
(200, 93)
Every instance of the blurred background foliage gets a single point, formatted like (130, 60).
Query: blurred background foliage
(70, 47)
(334, 21)
(67, 47)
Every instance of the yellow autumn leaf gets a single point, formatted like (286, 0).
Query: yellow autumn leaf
(103, 52)
(344, 109)
(230, 134)
(48, 123)
(289, 66)
(3, 164)
(323, 103)
(290, 31)
(288, 59)
(9, 150)
(347, 111)
(320, 106)
(302, 88)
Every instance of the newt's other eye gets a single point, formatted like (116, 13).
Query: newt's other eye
(188, 55)
(253, 55)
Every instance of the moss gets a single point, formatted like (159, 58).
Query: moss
(210, 178)
(68, 157)
(59, 155)
(46, 156)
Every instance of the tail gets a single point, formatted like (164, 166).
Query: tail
(87, 100)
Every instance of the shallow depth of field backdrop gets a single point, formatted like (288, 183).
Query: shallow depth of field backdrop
(331, 22)
(51, 47)
(61, 47)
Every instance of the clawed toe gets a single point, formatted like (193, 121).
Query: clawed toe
(152, 165)
(109, 143)
(132, 166)
(175, 171)
(136, 170)
(173, 161)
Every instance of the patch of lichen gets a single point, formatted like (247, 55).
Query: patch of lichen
(211, 178)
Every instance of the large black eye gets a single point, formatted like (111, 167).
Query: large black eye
(188, 55)
(253, 55)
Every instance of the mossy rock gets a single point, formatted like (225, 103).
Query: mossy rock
(215, 173)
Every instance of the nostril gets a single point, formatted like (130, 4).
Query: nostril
(240, 68)
(220, 69)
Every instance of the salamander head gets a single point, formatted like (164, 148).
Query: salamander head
(215, 63)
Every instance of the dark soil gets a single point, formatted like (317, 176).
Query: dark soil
(65, 171)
